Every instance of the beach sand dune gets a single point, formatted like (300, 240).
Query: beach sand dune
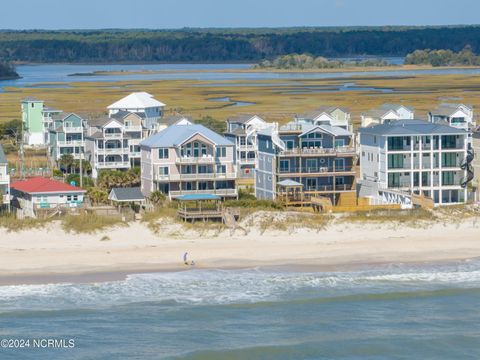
(52, 255)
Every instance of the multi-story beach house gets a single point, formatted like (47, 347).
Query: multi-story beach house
(241, 130)
(456, 115)
(188, 159)
(405, 157)
(302, 161)
(113, 141)
(142, 103)
(66, 135)
(109, 143)
(386, 112)
(4, 180)
(330, 115)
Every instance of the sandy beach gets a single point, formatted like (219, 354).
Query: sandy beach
(53, 255)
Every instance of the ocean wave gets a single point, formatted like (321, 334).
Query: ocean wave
(213, 287)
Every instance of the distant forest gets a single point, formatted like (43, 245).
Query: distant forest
(228, 45)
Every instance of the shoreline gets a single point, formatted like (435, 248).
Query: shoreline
(52, 256)
(274, 70)
(112, 275)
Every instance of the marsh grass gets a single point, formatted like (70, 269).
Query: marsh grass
(89, 223)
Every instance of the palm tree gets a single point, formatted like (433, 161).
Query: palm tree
(157, 198)
(97, 195)
(66, 161)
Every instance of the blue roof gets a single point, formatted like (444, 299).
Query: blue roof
(177, 134)
(193, 197)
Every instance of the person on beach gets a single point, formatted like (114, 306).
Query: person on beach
(185, 258)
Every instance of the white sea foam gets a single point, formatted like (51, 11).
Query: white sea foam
(205, 287)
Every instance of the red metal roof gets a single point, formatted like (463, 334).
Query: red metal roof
(43, 185)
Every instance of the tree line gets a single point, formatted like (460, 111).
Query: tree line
(221, 45)
(443, 57)
(305, 61)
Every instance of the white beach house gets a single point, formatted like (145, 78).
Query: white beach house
(405, 157)
(140, 102)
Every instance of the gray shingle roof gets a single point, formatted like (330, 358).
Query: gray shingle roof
(333, 130)
(120, 115)
(176, 134)
(126, 194)
(322, 109)
(446, 109)
(242, 118)
(3, 158)
(173, 119)
(383, 109)
(411, 127)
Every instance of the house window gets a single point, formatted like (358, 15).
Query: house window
(163, 170)
(290, 144)
(284, 165)
(75, 197)
(221, 169)
(311, 184)
(311, 165)
(395, 161)
(69, 197)
(163, 153)
(203, 169)
(339, 164)
(448, 178)
(221, 152)
(340, 180)
(339, 143)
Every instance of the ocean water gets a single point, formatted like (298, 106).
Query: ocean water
(392, 312)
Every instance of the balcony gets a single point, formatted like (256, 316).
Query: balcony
(135, 128)
(112, 135)
(219, 192)
(72, 129)
(113, 165)
(199, 176)
(246, 161)
(246, 148)
(118, 150)
(327, 170)
(70, 143)
(339, 151)
(195, 160)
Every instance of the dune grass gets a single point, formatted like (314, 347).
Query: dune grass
(10, 223)
(89, 223)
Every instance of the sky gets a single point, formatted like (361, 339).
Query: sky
(168, 14)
